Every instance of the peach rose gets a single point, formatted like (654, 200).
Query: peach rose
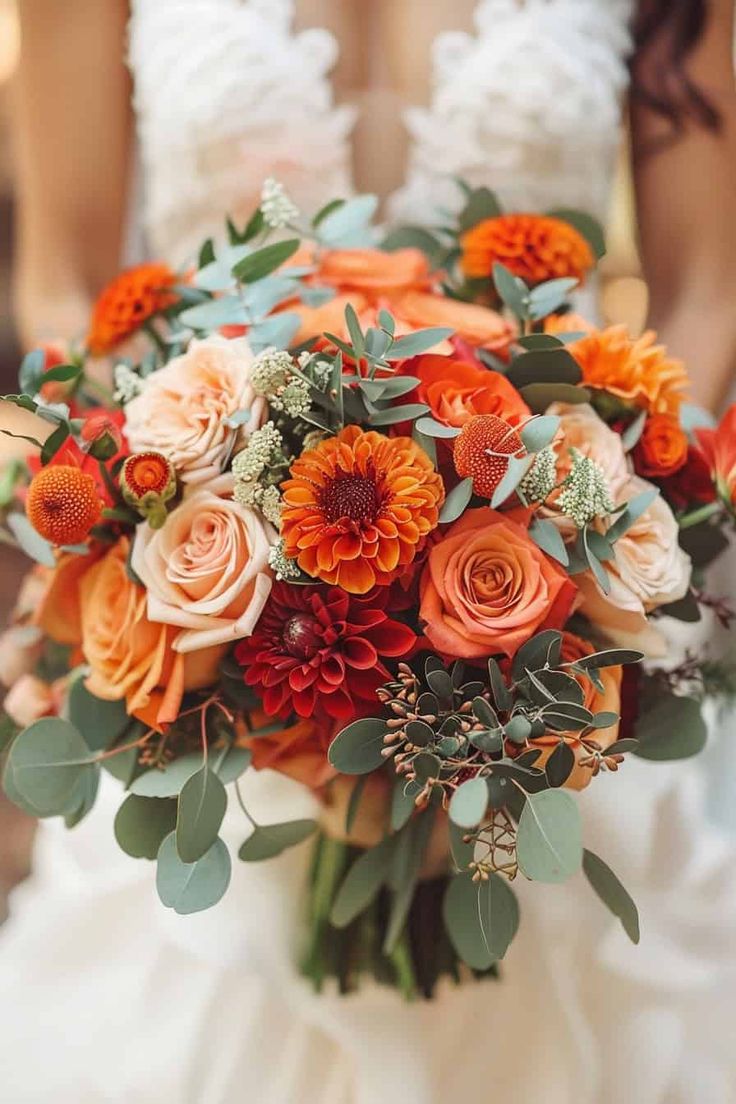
(649, 570)
(129, 655)
(456, 389)
(206, 571)
(182, 410)
(374, 272)
(597, 701)
(30, 698)
(59, 613)
(487, 588)
(480, 326)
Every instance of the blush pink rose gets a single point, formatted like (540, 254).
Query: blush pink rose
(206, 571)
(487, 587)
(183, 409)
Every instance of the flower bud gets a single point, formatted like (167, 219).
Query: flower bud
(101, 436)
(147, 482)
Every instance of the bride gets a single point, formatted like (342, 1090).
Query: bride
(105, 996)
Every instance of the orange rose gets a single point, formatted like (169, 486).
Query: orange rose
(597, 701)
(455, 390)
(662, 448)
(59, 612)
(299, 751)
(487, 588)
(131, 657)
(479, 326)
(374, 272)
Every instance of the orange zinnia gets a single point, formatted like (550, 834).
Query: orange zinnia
(357, 507)
(534, 247)
(127, 302)
(63, 503)
(634, 369)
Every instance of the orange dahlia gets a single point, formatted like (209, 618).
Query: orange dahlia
(534, 247)
(636, 370)
(482, 449)
(357, 507)
(63, 503)
(127, 302)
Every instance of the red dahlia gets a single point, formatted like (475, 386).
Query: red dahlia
(318, 650)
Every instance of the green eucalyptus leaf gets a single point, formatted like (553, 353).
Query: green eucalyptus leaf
(407, 857)
(358, 748)
(100, 722)
(516, 469)
(361, 883)
(469, 803)
(412, 344)
(393, 414)
(513, 291)
(142, 823)
(348, 225)
(481, 918)
(540, 396)
(549, 296)
(558, 767)
(456, 501)
(49, 763)
(541, 650)
(612, 893)
(501, 693)
(539, 432)
(192, 887)
(29, 541)
(672, 727)
(269, 840)
(200, 812)
(549, 838)
(546, 536)
(226, 311)
(262, 262)
(433, 428)
(481, 205)
(402, 803)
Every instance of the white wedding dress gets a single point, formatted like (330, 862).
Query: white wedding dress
(107, 998)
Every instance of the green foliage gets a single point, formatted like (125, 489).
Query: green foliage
(481, 204)
(671, 727)
(549, 839)
(362, 883)
(456, 501)
(612, 893)
(227, 763)
(200, 811)
(358, 748)
(469, 803)
(142, 823)
(545, 365)
(192, 887)
(481, 918)
(48, 766)
(100, 722)
(269, 840)
(262, 262)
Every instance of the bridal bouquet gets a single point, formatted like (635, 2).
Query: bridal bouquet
(392, 521)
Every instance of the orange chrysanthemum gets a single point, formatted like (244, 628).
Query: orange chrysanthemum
(127, 302)
(63, 503)
(634, 369)
(481, 450)
(358, 506)
(534, 247)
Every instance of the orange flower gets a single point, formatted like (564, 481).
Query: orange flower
(480, 326)
(63, 503)
(718, 447)
(374, 272)
(357, 507)
(482, 449)
(487, 587)
(534, 247)
(634, 369)
(59, 614)
(299, 751)
(455, 390)
(129, 656)
(127, 302)
(147, 473)
(597, 701)
(662, 448)
(568, 323)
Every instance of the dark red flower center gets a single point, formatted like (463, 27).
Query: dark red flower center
(350, 496)
(301, 636)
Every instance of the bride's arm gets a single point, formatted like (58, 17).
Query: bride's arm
(73, 144)
(686, 192)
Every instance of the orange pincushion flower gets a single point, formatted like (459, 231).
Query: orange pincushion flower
(634, 369)
(63, 503)
(127, 302)
(476, 451)
(534, 247)
(358, 506)
(147, 473)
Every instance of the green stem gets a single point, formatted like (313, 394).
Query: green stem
(701, 514)
(402, 961)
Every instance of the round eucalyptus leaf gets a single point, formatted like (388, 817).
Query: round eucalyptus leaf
(402, 803)
(100, 722)
(361, 883)
(192, 887)
(142, 823)
(201, 808)
(672, 728)
(559, 765)
(469, 803)
(549, 844)
(481, 918)
(88, 786)
(49, 761)
(358, 749)
(612, 893)
(269, 840)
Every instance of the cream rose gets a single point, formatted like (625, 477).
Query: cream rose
(206, 571)
(182, 409)
(649, 570)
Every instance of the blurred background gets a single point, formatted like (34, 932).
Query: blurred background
(623, 300)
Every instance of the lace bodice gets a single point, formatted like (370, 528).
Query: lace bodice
(226, 94)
